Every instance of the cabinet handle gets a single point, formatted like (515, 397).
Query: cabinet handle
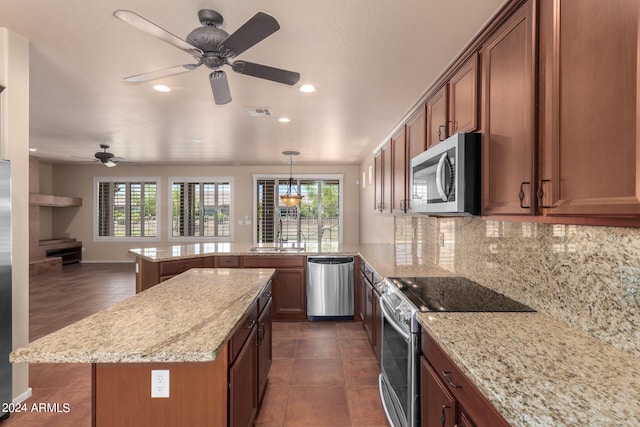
(521, 194)
(449, 380)
(540, 193)
(443, 416)
(440, 138)
(250, 326)
(260, 333)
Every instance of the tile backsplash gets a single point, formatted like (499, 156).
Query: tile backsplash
(587, 277)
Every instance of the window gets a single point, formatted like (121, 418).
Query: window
(201, 207)
(126, 209)
(317, 220)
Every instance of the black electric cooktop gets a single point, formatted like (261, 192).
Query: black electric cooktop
(457, 294)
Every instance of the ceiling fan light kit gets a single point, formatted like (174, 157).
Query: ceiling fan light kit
(290, 199)
(212, 47)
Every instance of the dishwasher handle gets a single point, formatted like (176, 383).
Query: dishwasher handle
(330, 260)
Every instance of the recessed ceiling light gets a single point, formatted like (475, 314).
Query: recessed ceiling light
(33, 149)
(196, 140)
(307, 88)
(162, 88)
(284, 120)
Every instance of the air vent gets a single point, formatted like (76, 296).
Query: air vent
(259, 112)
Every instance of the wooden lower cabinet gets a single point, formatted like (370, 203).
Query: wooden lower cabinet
(369, 310)
(448, 398)
(243, 382)
(438, 406)
(265, 350)
(289, 284)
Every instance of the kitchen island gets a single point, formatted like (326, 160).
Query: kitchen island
(183, 325)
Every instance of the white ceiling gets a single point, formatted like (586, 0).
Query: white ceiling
(370, 60)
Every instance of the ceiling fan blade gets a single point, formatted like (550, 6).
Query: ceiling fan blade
(266, 72)
(154, 75)
(253, 31)
(220, 87)
(149, 27)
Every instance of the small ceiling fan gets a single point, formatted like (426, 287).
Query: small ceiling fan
(211, 46)
(106, 158)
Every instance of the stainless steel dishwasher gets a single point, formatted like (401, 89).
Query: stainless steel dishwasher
(330, 288)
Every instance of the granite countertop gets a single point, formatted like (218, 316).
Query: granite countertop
(537, 371)
(188, 318)
(194, 250)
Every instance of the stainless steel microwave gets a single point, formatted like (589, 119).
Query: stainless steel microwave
(445, 179)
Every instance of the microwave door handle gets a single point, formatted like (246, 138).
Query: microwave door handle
(439, 179)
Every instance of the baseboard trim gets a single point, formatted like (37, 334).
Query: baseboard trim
(24, 396)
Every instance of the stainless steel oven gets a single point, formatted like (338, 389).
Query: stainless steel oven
(399, 382)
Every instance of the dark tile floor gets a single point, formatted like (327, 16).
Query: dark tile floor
(323, 373)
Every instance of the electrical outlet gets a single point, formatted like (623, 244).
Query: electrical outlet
(160, 383)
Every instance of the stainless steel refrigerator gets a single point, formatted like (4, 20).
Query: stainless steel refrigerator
(5, 287)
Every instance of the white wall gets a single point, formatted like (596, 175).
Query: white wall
(14, 146)
(77, 181)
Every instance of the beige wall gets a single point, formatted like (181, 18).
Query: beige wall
(77, 181)
(14, 146)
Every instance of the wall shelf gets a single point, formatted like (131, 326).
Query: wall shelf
(54, 201)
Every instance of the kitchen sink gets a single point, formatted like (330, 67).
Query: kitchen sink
(276, 249)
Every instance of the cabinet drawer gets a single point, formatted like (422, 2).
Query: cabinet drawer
(243, 332)
(227, 261)
(468, 396)
(274, 261)
(170, 268)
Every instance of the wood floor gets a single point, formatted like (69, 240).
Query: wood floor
(323, 373)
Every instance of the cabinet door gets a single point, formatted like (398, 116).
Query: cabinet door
(438, 407)
(289, 296)
(463, 97)
(416, 136)
(437, 117)
(363, 299)
(265, 354)
(399, 173)
(508, 90)
(387, 174)
(377, 324)
(591, 135)
(243, 381)
(378, 181)
(368, 313)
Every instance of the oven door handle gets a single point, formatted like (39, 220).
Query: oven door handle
(406, 335)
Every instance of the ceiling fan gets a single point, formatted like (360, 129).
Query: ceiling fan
(211, 46)
(107, 159)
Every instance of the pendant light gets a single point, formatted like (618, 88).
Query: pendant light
(291, 199)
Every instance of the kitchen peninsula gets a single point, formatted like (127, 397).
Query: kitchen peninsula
(187, 325)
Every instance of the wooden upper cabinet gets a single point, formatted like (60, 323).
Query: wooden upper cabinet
(400, 169)
(508, 94)
(589, 96)
(416, 136)
(387, 177)
(436, 107)
(383, 178)
(463, 97)
(454, 108)
(378, 175)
